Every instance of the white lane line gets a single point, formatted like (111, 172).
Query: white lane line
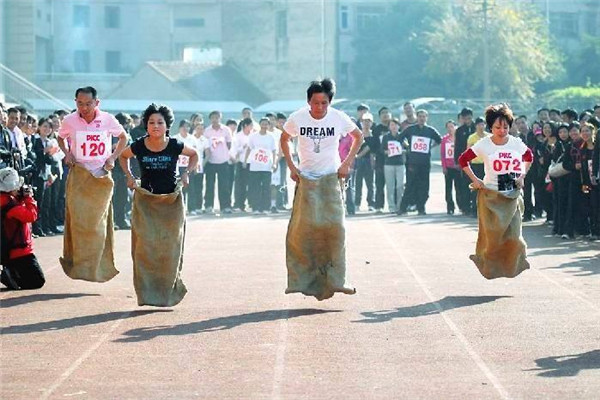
(73, 367)
(566, 289)
(474, 356)
(280, 356)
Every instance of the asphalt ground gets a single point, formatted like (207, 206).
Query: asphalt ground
(424, 324)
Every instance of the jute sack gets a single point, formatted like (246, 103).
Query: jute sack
(315, 243)
(88, 237)
(501, 249)
(157, 239)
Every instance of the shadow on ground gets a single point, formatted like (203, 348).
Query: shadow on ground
(20, 300)
(423, 310)
(569, 365)
(216, 324)
(75, 322)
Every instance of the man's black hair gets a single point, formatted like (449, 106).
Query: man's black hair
(326, 86)
(466, 112)
(87, 89)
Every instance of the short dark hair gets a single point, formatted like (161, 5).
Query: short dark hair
(594, 121)
(396, 121)
(45, 120)
(13, 110)
(569, 112)
(61, 112)
(161, 109)
(408, 103)
(245, 122)
(122, 118)
(555, 110)
(363, 107)
(184, 122)
(522, 117)
(231, 122)
(479, 120)
(382, 109)
(553, 128)
(281, 116)
(543, 109)
(263, 119)
(269, 115)
(498, 111)
(215, 112)
(466, 112)
(326, 86)
(87, 89)
(574, 124)
(562, 125)
(450, 121)
(247, 109)
(583, 114)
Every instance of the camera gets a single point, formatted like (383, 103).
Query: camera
(586, 189)
(25, 190)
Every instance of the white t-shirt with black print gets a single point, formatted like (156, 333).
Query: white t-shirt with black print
(318, 140)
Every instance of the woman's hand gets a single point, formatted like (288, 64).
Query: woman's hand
(478, 184)
(520, 182)
(578, 166)
(131, 183)
(185, 179)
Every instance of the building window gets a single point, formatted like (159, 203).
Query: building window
(367, 18)
(564, 24)
(189, 22)
(591, 23)
(112, 17)
(81, 61)
(81, 16)
(113, 61)
(344, 18)
(344, 72)
(281, 25)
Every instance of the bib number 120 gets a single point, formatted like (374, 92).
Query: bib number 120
(95, 149)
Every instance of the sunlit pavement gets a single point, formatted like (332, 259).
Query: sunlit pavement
(423, 324)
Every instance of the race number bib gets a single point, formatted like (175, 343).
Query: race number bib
(92, 146)
(215, 141)
(261, 157)
(506, 162)
(183, 161)
(394, 148)
(420, 144)
(450, 150)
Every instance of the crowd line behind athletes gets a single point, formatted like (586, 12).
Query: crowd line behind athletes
(392, 167)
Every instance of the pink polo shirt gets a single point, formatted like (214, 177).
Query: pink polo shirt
(91, 144)
(218, 139)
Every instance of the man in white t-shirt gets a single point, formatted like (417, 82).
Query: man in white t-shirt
(316, 239)
(260, 159)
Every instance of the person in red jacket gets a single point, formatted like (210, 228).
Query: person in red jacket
(21, 269)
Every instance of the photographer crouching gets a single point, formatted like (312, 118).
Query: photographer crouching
(20, 266)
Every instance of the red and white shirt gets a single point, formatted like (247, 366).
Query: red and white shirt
(503, 164)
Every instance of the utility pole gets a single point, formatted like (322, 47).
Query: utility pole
(486, 54)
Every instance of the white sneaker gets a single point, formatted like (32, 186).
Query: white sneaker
(209, 210)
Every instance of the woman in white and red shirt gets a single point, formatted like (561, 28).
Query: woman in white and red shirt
(506, 158)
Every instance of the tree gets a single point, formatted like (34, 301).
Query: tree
(518, 43)
(390, 52)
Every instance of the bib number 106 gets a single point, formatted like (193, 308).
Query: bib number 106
(93, 149)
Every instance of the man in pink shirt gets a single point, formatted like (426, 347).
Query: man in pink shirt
(451, 171)
(219, 137)
(89, 132)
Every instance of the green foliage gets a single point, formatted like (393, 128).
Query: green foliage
(390, 53)
(575, 96)
(583, 67)
(520, 53)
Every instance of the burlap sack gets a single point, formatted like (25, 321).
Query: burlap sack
(157, 239)
(315, 243)
(501, 249)
(88, 236)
